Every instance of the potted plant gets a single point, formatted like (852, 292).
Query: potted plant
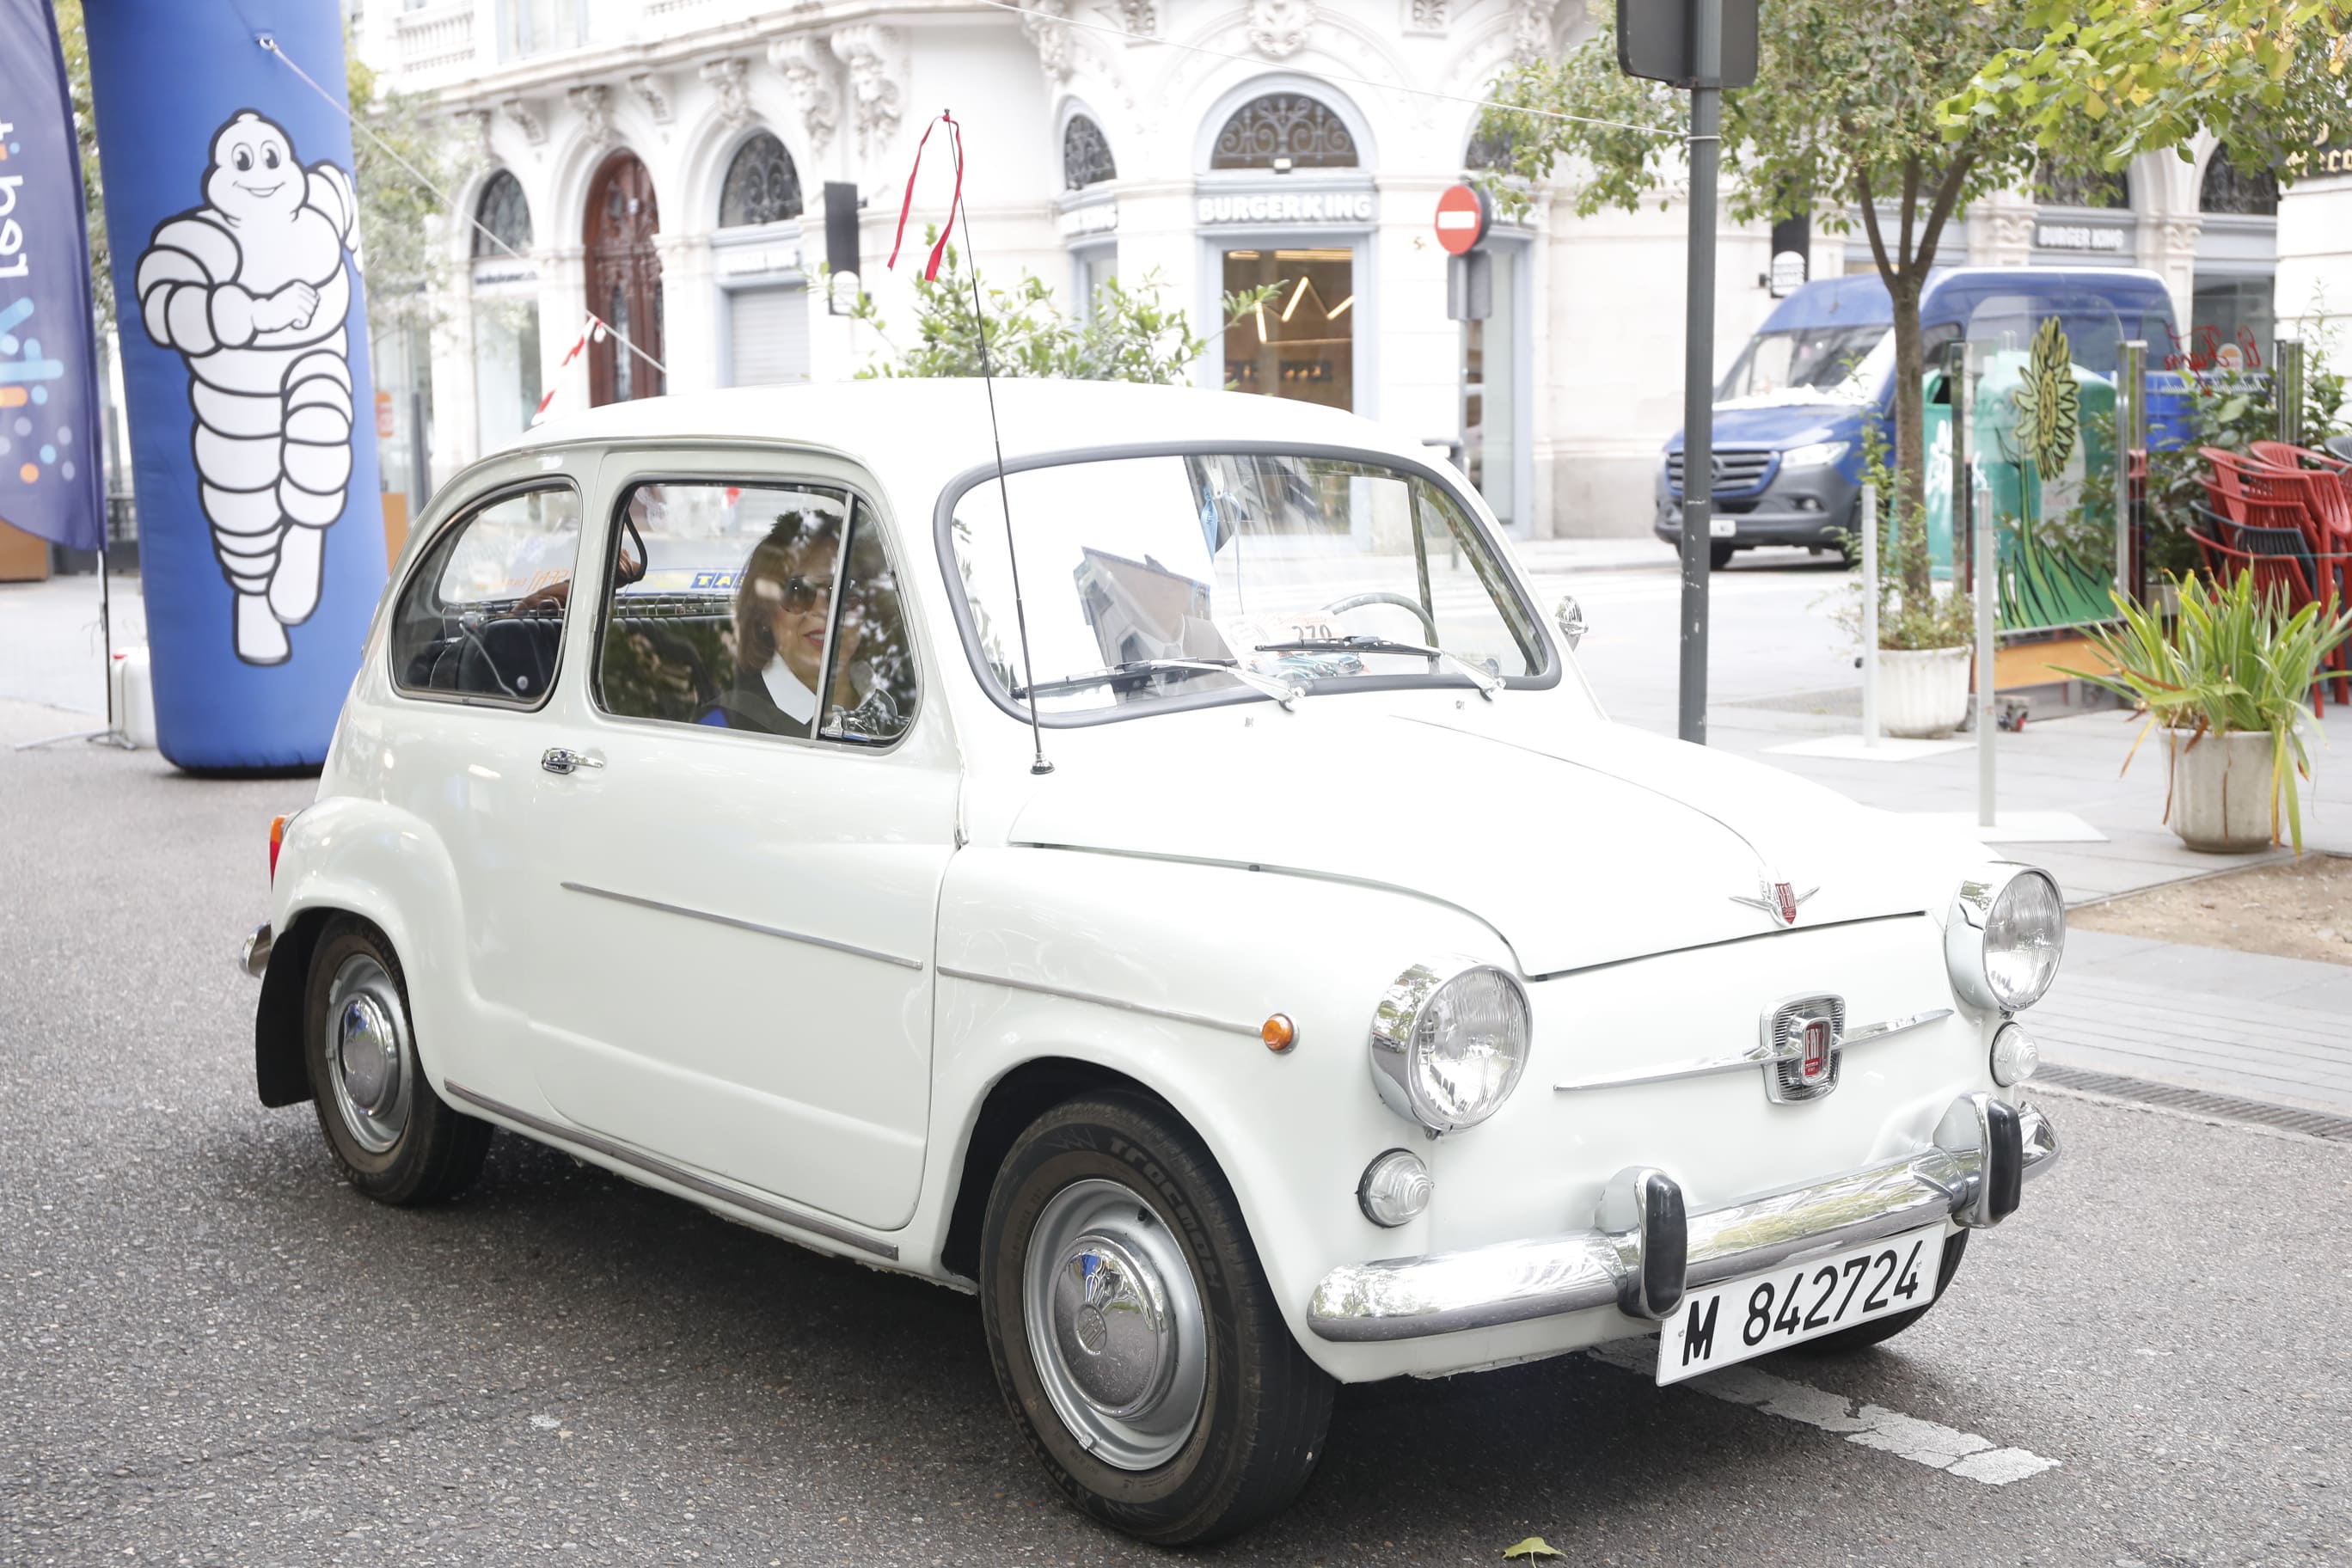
(2227, 681)
(1925, 636)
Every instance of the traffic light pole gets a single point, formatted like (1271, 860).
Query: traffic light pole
(1698, 362)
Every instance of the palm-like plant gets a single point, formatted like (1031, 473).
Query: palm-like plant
(2236, 660)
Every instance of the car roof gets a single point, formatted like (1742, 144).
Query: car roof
(916, 432)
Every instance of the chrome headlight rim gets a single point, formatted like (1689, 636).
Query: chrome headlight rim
(1973, 907)
(1397, 1019)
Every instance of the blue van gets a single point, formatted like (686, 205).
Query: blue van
(1790, 415)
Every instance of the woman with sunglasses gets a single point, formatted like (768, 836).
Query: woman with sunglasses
(782, 607)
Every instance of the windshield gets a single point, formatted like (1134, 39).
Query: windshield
(1806, 359)
(1162, 579)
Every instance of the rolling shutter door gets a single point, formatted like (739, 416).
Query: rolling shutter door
(768, 335)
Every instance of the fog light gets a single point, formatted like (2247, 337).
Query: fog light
(1396, 1187)
(2014, 1055)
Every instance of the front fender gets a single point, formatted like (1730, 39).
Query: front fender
(1163, 972)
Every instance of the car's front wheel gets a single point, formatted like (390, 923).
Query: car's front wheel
(1133, 1330)
(397, 1140)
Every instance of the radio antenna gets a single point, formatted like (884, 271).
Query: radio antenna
(987, 380)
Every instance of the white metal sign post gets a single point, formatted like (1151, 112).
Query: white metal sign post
(1988, 550)
(1869, 516)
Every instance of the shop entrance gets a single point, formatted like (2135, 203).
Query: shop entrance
(1301, 342)
(624, 280)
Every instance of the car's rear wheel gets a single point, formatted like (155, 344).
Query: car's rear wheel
(397, 1140)
(1133, 1332)
(1878, 1331)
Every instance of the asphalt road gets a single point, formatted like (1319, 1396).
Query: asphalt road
(211, 1351)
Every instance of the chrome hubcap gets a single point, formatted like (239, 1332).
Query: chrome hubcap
(367, 1054)
(1115, 1325)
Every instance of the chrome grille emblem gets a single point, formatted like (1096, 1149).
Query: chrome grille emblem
(1804, 1040)
(1781, 899)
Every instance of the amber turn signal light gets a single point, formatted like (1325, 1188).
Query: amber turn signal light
(1278, 1033)
(277, 838)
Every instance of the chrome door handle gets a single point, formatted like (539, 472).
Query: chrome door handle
(564, 760)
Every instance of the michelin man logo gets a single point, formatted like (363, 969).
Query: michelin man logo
(250, 288)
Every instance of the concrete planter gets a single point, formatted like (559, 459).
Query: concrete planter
(1922, 692)
(2221, 790)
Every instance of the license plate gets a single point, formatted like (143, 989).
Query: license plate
(1741, 1318)
(1722, 527)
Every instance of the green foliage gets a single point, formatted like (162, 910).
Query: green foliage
(2234, 661)
(1127, 336)
(74, 39)
(405, 259)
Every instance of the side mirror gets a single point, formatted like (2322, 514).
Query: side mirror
(1570, 616)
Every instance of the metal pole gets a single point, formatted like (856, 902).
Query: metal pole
(2131, 435)
(1870, 615)
(1698, 362)
(2286, 375)
(1963, 401)
(1987, 553)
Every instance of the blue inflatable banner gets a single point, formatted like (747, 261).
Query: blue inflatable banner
(50, 478)
(234, 231)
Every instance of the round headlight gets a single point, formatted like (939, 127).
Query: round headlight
(1449, 1042)
(2005, 937)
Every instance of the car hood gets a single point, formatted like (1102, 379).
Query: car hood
(1581, 843)
(1781, 425)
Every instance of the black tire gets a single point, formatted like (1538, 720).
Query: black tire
(433, 1153)
(1878, 1331)
(1264, 1407)
(1719, 554)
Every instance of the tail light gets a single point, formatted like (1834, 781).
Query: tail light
(277, 839)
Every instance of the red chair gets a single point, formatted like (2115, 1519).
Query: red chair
(2287, 570)
(2255, 495)
(2281, 454)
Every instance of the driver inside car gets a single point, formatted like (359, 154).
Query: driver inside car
(781, 609)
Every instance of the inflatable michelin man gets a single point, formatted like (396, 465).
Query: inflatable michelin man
(250, 288)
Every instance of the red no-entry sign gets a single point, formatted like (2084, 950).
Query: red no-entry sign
(1463, 215)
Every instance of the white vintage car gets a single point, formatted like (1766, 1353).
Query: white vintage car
(1209, 917)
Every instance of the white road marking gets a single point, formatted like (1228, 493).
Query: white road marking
(1922, 1442)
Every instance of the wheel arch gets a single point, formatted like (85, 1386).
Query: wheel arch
(1013, 1102)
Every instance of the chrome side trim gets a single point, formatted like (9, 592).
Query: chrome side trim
(254, 957)
(1203, 1020)
(1754, 1056)
(826, 941)
(1444, 1293)
(676, 1174)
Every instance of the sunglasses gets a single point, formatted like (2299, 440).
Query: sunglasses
(797, 595)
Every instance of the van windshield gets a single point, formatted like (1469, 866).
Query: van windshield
(1803, 359)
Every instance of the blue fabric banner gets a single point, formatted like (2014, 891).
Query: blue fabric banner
(234, 225)
(51, 481)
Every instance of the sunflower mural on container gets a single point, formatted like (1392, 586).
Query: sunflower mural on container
(2034, 405)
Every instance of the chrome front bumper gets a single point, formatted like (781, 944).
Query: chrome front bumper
(254, 957)
(1644, 1253)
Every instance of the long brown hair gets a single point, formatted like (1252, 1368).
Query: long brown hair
(795, 534)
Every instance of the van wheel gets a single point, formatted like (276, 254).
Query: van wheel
(1878, 1331)
(1719, 554)
(397, 1140)
(1133, 1332)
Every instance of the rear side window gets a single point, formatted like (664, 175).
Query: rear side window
(734, 605)
(482, 618)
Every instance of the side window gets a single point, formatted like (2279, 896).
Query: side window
(732, 607)
(482, 616)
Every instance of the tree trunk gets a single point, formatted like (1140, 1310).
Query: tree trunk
(1910, 439)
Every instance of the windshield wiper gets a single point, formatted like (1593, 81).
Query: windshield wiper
(1133, 669)
(1486, 682)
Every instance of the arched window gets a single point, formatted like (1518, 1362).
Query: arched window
(503, 211)
(1085, 156)
(761, 185)
(1284, 130)
(2229, 191)
(2084, 188)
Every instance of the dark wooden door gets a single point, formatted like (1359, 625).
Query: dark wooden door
(624, 280)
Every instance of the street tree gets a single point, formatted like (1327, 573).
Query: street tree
(1906, 113)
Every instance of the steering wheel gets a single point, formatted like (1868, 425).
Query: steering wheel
(1357, 601)
(623, 573)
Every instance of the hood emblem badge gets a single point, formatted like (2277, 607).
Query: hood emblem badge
(1781, 900)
